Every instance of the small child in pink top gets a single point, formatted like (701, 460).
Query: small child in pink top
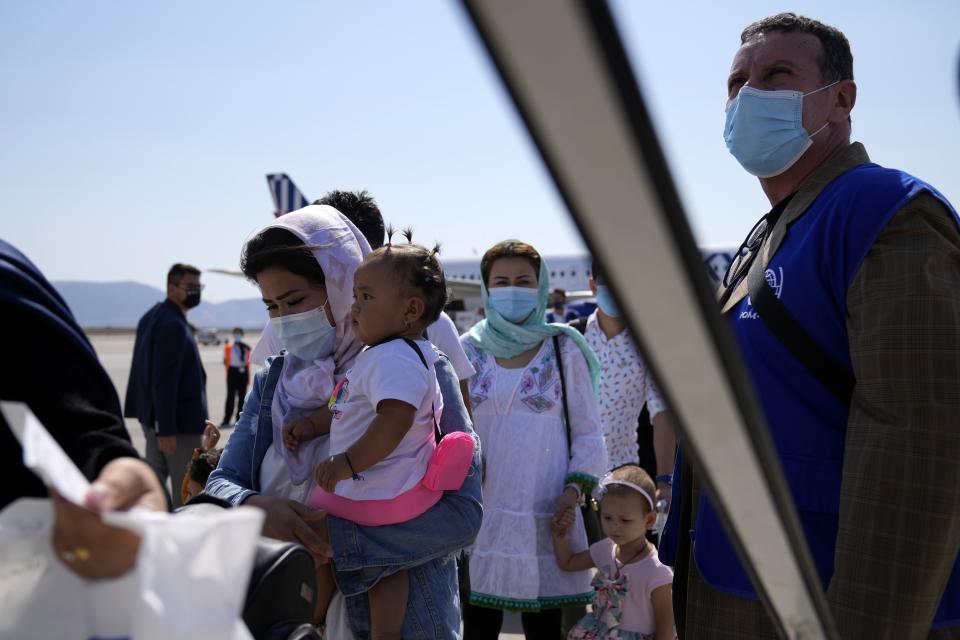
(634, 595)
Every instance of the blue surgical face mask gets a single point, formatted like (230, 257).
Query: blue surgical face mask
(237, 337)
(513, 303)
(764, 130)
(606, 302)
(308, 335)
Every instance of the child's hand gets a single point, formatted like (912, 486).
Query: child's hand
(556, 530)
(298, 431)
(331, 471)
(304, 429)
(211, 436)
(561, 522)
(566, 502)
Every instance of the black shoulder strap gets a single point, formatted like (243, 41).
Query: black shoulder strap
(563, 395)
(413, 345)
(580, 324)
(436, 426)
(834, 376)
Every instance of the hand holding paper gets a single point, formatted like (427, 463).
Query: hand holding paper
(89, 547)
(123, 484)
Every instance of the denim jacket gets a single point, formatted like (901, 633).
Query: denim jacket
(363, 555)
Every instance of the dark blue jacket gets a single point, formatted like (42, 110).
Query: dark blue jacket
(52, 367)
(167, 386)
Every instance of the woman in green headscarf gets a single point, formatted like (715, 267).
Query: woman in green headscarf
(537, 466)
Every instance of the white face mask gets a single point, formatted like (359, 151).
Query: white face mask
(308, 335)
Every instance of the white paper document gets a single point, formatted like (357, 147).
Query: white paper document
(43, 456)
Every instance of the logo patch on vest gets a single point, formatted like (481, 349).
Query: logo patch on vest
(775, 280)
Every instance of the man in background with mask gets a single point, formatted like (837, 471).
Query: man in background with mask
(625, 386)
(558, 307)
(167, 387)
(845, 301)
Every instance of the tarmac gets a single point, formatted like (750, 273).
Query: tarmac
(116, 351)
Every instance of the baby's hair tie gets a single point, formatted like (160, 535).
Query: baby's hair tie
(390, 232)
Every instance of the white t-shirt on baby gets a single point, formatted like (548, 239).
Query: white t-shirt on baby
(389, 371)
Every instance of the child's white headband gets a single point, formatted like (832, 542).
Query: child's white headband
(606, 481)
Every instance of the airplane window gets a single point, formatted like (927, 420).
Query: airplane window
(562, 273)
(553, 274)
(573, 274)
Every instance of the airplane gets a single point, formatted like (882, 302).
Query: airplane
(570, 272)
(286, 196)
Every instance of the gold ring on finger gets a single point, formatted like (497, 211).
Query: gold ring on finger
(77, 554)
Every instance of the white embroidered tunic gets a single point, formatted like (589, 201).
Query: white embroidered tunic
(518, 415)
(624, 386)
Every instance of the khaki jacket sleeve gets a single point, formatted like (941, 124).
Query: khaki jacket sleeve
(900, 499)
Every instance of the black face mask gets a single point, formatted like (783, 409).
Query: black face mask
(192, 299)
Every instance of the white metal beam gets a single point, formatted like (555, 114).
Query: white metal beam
(566, 70)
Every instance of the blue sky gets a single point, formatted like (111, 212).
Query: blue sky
(137, 134)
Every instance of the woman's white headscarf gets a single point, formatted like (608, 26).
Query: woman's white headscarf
(305, 386)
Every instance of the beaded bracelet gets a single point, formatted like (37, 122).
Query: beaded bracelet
(353, 472)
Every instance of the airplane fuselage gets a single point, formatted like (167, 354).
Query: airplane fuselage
(572, 272)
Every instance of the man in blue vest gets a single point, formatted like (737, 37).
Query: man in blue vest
(863, 264)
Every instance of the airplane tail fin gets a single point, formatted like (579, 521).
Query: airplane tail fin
(286, 196)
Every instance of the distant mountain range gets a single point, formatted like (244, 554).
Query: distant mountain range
(120, 305)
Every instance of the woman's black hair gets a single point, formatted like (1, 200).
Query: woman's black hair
(420, 269)
(276, 247)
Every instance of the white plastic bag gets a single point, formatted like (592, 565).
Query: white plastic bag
(338, 624)
(190, 579)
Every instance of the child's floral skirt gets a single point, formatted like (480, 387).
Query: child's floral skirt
(604, 621)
